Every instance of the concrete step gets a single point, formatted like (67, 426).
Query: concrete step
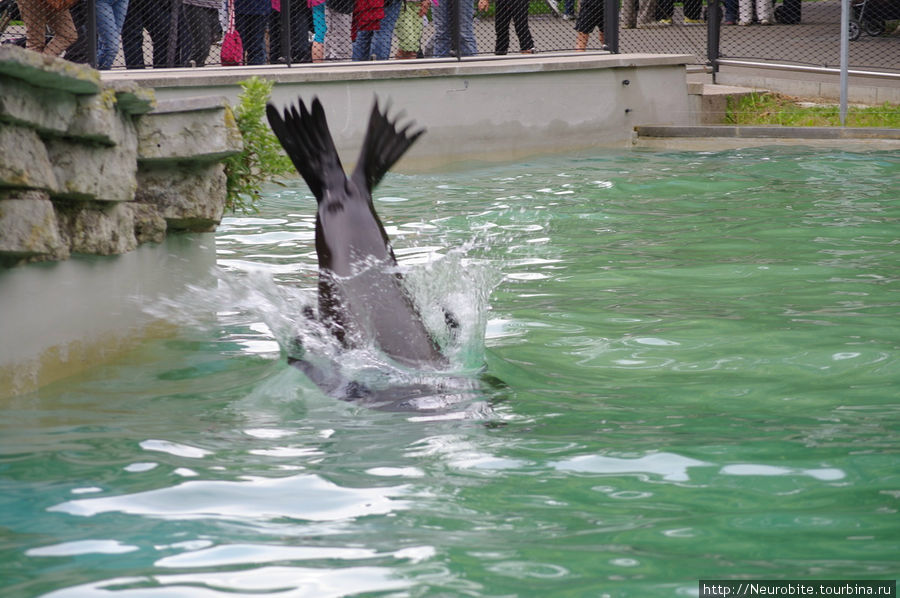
(709, 102)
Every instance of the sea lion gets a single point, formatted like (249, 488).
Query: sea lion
(362, 300)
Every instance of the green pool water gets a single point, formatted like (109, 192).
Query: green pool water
(691, 370)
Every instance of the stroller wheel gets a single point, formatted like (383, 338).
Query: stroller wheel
(854, 30)
(874, 27)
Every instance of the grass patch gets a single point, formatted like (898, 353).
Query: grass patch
(777, 109)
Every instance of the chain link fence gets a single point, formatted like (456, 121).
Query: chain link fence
(193, 33)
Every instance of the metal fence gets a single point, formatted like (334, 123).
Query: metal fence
(194, 33)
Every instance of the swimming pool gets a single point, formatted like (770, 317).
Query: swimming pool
(691, 370)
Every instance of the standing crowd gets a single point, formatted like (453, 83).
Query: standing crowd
(183, 32)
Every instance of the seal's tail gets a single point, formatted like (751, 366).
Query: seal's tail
(305, 137)
(383, 146)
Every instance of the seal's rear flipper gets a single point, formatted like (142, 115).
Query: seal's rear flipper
(383, 146)
(307, 140)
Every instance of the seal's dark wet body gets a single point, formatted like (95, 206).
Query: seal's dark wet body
(362, 299)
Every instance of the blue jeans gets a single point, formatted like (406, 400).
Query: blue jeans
(731, 10)
(378, 43)
(381, 42)
(110, 18)
(362, 46)
(442, 19)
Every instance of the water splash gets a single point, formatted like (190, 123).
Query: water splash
(261, 315)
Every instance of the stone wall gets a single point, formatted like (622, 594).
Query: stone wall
(93, 168)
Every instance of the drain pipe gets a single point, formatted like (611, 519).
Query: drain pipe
(845, 56)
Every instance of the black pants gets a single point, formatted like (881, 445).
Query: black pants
(156, 17)
(301, 23)
(204, 28)
(517, 12)
(693, 9)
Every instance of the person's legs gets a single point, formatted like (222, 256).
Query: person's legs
(381, 41)
(253, 35)
(409, 29)
(34, 14)
(362, 46)
(764, 12)
(157, 18)
(133, 34)
(301, 18)
(731, 12)
(646, 12)
(275, 54)
(442, 19)
(320, 27)
(665, 9)
(106, 34)
(745, 12)
(523, 32)
(337, 36)
(64, 33)
(693, 9)
(466, 29)
(502, 17)
(628, 14)
(203, 24)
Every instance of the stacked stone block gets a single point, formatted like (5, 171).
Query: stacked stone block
(94, 168)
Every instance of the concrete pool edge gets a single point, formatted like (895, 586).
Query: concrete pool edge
(484, 109)
(712, 137)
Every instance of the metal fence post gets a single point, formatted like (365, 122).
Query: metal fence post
(91, 15)
(845, 58)
(611, 25)
(713, 32)
(287, 44)
(455, 27)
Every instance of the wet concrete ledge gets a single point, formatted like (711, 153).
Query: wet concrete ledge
(715, 137)
(774, 132)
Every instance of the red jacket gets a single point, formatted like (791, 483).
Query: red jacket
(367, 15)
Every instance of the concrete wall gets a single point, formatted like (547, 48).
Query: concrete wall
(59, 318)
(485, 109)
(91, 169)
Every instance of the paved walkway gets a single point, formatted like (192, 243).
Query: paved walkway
(815, 41)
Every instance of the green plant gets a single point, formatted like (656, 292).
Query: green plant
(262, 158)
